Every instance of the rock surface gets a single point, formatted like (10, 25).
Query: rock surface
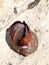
(38, 20)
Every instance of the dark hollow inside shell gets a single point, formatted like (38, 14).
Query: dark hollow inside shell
(18, 31)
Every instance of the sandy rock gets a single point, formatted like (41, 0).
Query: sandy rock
(38, 20)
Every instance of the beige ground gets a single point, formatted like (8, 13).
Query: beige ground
(38, 20)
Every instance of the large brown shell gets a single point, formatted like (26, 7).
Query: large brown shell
(24, 40)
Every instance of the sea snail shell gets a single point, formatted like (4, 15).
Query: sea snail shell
(24, 40)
